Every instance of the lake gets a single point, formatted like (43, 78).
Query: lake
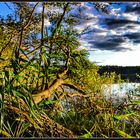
(119, 92)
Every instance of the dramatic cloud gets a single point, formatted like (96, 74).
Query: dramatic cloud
(133, 7)
(114, 35)
(115, 23)
(113, 32)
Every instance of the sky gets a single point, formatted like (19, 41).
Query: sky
(111, 39)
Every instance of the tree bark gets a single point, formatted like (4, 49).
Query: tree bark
(47, 93)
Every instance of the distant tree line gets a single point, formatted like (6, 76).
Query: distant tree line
(126, 72)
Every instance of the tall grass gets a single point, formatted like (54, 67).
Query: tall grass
(88, 116)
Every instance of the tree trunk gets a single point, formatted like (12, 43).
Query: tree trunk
(47, 93)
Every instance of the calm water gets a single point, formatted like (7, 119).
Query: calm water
(121, 92)
(118, 93)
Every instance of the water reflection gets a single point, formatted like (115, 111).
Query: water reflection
(122, 92)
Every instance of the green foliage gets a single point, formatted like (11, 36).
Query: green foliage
(30, 65)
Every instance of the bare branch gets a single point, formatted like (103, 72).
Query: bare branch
(75, 94)
(42, 26)
(74, 87)
(58, 25)
(30, 18)
(61, 18)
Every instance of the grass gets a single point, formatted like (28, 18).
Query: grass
(80, 116)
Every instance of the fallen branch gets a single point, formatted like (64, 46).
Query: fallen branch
(47, 125)
(18, 111)
(47, 93)
(74, 87)
(56, 129)
(72, 95)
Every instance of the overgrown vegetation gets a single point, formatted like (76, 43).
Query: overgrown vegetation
(48, 87)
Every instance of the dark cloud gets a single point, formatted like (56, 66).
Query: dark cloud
(111, 44)
(133, 36)
(137, 41)
(105, 38)
(130, 8)
(114, 42)
(114, 23)
(116, 39)
(130, 26)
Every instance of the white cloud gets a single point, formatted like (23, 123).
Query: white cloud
(124, 58)
(130, 16)
(100, 32)
(84, 44)
(111, 32)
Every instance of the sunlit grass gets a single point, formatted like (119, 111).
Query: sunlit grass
(89, 116)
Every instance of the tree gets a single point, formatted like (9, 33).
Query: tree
(38, 67)
(56, 55)
(45, 69)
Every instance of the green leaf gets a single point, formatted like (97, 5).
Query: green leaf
(88, 135)
(120, 117)
(20, 78)
(137, 102)
(7, 74)
(18, 93)
(49, 102)
(2, 59)
(122, 133)
(104, 136)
